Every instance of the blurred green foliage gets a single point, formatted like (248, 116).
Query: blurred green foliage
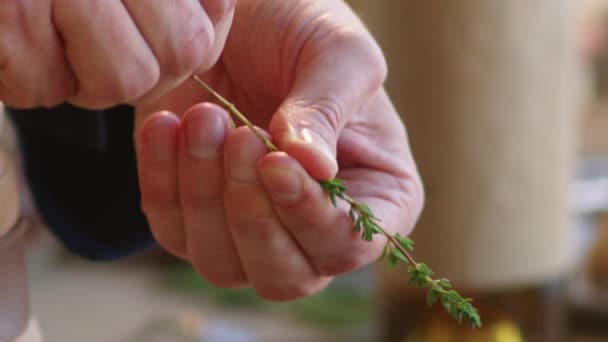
(337, 307)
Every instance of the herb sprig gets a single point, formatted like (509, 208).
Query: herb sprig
(397, 249)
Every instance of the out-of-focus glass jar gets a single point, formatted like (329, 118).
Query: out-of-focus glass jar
(14, 296)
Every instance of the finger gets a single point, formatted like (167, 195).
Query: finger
(157, 168)
(33, 68)
(210, 246)
(340, 68)
(323, 231)
(272, 260)
(110, 58)
(217, 10)
(221, 14)
(179, 33)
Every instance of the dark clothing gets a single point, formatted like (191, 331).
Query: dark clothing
(81, 168)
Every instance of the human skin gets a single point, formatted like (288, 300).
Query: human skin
(310, 76)
(96, 54)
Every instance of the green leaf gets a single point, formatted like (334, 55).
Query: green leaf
(392, 259)
(424, 270)
(414, 276)
(454, 296)
(384, 251)
(375, 228)
(364, 209)
(431, 297)
(335, 186)
(367, 231)
(399, 255)
(352, 214)
(444, 284)
(357, 227)
(332, 197)
(445, 303)
(406, 243)
(474, 318)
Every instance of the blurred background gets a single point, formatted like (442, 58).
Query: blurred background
(506, 104)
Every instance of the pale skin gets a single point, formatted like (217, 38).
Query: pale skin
(309, 74)
(97, 54)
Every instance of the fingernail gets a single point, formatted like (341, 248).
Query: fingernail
(284, 185)
(205, 136)
(161, 138)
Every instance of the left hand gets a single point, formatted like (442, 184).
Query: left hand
(310, 73)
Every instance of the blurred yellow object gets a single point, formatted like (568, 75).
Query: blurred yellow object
(446, 331)
(506, 331)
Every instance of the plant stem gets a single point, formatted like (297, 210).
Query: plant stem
(232, 108)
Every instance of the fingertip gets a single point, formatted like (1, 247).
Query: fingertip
(311, 149)
(243, 150)
(317, 159)
(159, 136)
(208, 115)
(161, 118)
(206, 108)
(282, 177)
(204, 129)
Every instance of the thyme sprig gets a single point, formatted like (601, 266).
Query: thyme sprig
(397, 248)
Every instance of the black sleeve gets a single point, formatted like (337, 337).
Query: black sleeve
(81, 168)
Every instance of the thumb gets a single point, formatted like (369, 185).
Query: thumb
(333, 85)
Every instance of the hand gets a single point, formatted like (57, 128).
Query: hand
(310, 73)
(96, 54)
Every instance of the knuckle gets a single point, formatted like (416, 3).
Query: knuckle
(340, 264)
(191, 53)
(11, 93)
(131, 86)
(326, 113)
(287, 292)
(148, 208)
(416, 204)
(173, 243)
(367, 51)
(156, 201)
(217, 9)
(226, 276)
(192, 202)
(59, 93)
(255, 226)
(412, 201)
(122, 90)
(11, 15)
(376, 68)
(331, 111)
(125, 84)
(376, 64)
(20, 90)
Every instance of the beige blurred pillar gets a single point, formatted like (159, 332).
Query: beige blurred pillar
(487, 89)
(31, 334)
(14, 296)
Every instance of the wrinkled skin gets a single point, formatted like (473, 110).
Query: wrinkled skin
(310, 75)
(97, 54)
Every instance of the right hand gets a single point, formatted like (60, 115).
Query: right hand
(96, 54)
(310, 72)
